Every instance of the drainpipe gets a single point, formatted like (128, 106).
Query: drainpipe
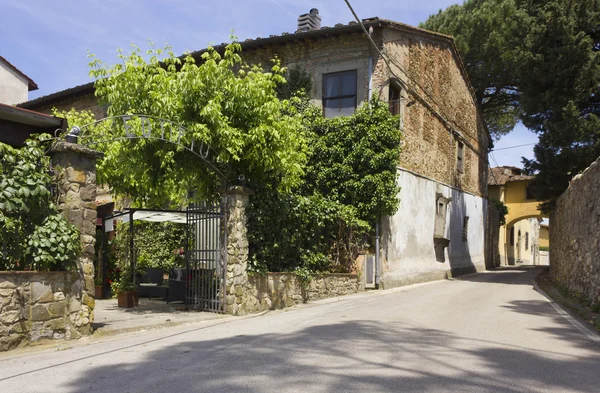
(377, 255)
(370, 77)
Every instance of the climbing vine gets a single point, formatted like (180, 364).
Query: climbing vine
(350, 181)
(33, 234)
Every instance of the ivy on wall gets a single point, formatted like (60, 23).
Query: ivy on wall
(349, 181)
(33, 234)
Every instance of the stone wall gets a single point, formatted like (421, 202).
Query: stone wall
(574, 238)
(280, 290)
(42, 305)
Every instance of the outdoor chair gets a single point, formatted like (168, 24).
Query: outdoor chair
(150, 284)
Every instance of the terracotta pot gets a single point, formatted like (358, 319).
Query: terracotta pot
(98, 292)
(127, 299)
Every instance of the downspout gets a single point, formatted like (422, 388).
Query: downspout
(370, 95)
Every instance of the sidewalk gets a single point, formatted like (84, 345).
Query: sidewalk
(110, 319)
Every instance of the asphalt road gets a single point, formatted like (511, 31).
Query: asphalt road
(489, 332)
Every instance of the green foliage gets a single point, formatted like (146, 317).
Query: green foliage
(122, 284)
(350, 181)
(544, 248)
(297, 82)
(502, 209)
(487, 35)
(156, 244)
(35, 234)
(536, 61)
(221, 101)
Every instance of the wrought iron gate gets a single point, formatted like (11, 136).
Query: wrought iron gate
(206, 261)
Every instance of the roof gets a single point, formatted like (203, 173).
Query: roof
(323, 32)
(26, 116)
(30, 83)
(501, 175)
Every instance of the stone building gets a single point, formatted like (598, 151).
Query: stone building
(14, 84)
(438, 230)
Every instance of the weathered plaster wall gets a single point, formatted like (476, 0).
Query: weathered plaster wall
(280, 290)
(575, 239)
(43, 305)
(408, 236)
(544, 236)
(14, 89)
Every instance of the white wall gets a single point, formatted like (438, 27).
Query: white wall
(408, 246)
(13, 87)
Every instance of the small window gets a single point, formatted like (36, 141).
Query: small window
(339, 93)
(526, 240)
(512, 236)
(441, 207)
(530, 191)
(460, 151)
(465, 233)
(394, 99)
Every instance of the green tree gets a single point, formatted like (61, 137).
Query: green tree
(535, 61)
(487, 35)
(221, 101)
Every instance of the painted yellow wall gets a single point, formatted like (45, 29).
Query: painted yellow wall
(513, 194)
(518, 206)
(544, 237)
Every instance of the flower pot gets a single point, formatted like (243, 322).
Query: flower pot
(98, 292)
(127, 299)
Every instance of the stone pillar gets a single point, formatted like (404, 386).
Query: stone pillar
(236, 201)
(75, 169)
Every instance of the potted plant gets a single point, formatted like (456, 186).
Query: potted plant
(98, 294)
(125, 291)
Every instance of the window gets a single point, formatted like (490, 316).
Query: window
(460, 151)
(394, 99)
(441, 207)
(465, 233)
(512, 236)
(526, 240)
(530, 191)
(339, 93)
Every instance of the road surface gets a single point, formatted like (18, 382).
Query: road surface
(490, 332)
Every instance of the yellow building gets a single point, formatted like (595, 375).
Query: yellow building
(520, 236)
(544, 236)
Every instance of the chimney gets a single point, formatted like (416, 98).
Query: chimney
(310, 21)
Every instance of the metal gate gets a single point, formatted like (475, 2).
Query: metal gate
(206, 261)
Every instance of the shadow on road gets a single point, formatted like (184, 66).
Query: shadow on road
(520, 275)
(353, 356)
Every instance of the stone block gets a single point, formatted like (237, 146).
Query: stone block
(41, 292)
(10, 317)
(75, 175)
(55, 324)
(7, 285)
(58, 308)
(39, 312)
(6, 292)
(58, 296)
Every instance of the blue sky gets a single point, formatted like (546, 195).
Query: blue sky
(49, 40)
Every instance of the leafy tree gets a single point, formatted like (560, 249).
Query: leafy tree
(34, 235)
(487, 35)
(535, 61)
(221, 101)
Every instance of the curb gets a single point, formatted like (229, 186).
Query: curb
(563, 313)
